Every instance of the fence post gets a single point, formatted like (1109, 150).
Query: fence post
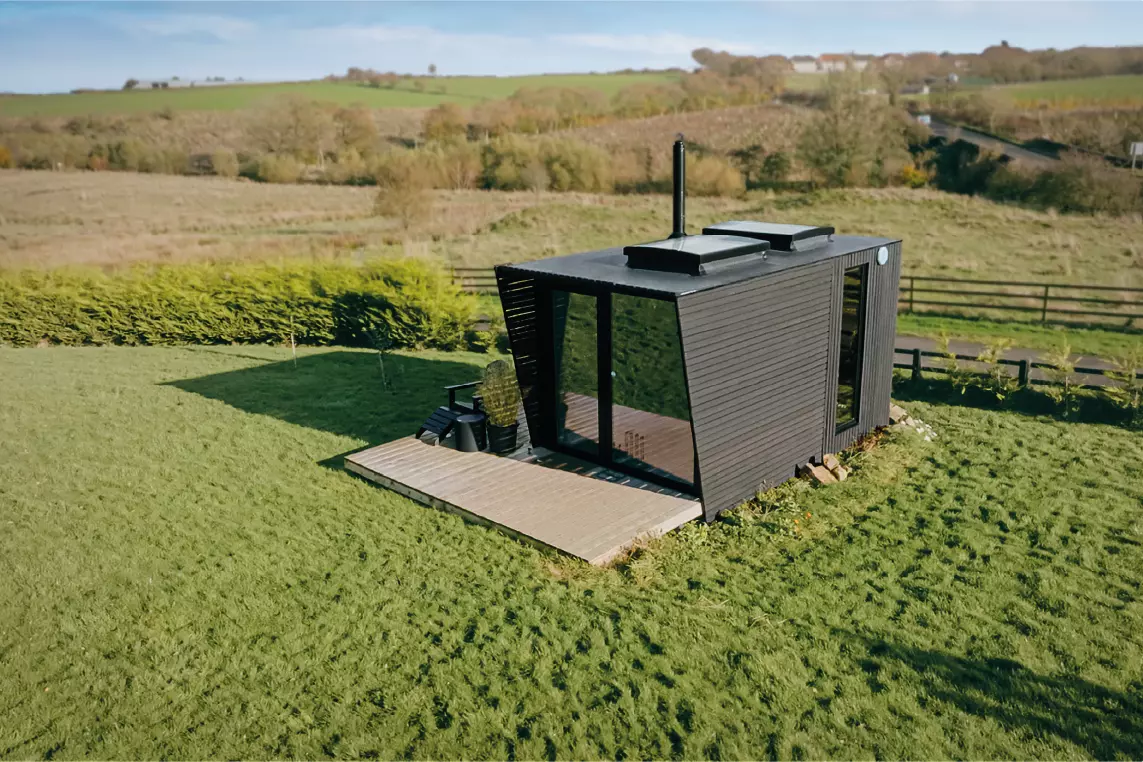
(912, 282)
(917, 365)
(1044, 307)
(1022, 378)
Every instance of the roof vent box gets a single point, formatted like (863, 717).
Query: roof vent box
(780, 237)
(692, 254)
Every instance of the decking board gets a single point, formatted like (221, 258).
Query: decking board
(592, 519)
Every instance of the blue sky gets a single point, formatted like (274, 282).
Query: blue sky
(48, 47)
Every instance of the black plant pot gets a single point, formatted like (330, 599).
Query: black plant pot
(502, 439)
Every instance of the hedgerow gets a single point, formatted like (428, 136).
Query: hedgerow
(397, 303)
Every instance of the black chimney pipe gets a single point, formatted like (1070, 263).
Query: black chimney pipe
(679, 222)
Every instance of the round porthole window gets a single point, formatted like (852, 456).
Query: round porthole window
(882, 255)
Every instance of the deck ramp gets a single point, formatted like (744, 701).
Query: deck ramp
(589, 518)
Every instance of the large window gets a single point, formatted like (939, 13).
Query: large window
(852, 346)
(577, 370)
(651, 425)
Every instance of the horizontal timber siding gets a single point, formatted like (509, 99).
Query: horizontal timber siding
(880, 333)
(756, 353)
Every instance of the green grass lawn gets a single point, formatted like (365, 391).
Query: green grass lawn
(1115, 89)
(464, 90)
(185, 572)
(1093, 342)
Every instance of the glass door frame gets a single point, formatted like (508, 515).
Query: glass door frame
(549, 375)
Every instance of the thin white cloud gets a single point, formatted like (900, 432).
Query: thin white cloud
(661, 44)
(419, 35)
(225, 28)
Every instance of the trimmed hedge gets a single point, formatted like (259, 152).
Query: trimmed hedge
(390, 303)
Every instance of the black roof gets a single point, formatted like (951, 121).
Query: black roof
(609, 268)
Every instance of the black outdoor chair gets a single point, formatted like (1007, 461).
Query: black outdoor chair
(442, 420)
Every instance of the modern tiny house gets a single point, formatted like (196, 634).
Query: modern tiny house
(714, 364)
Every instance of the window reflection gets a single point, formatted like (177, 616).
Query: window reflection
(651, 427)
(852, 346)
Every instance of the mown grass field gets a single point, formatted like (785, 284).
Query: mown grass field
(437, 90)
(185, 572)
(1115, 90)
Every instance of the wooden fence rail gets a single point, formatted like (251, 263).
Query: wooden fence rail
(477, 280)
(1044, 299)
(970, 296)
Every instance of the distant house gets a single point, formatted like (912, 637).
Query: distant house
(165, 84)
(804, 64)
(829, 62)
(842, 62)
(915, 88)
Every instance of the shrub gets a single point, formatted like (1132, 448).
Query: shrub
(713, 176)
(274, 168)
(348, 169)
(5, 158)
(776, 167)
(456, 165)
(574, 166)
(510, 163)
(409, 302)
(403, 181)
(1128, 394)
(445, 122)
(500, 394)
(224, 163)
(1063, 387)
(912, 177)
(505, 161)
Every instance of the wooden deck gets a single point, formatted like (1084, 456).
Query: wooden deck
(589, 518)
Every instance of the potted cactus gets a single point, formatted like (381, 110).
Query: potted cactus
(501, 399)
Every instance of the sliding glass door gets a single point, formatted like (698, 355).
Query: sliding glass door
(619, 387)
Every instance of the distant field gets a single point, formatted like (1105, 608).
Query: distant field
(1127, 89)
(48, 219)
(802, 82)
(225, 98)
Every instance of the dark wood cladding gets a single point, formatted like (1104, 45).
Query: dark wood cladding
(519, 298)
(756, 355)
(880, 333)
(760, 355)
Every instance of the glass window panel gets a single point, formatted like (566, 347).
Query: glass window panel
(651, 425)
(852, 346)
(577, 370)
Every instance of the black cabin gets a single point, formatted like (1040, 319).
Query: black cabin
(714, 364)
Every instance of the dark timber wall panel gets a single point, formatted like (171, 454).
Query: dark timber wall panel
(518, 298)
(880, 334)
(756, 355)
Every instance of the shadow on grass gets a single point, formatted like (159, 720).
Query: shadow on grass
(340, 392)
(1088, 407)
(1108, 724)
